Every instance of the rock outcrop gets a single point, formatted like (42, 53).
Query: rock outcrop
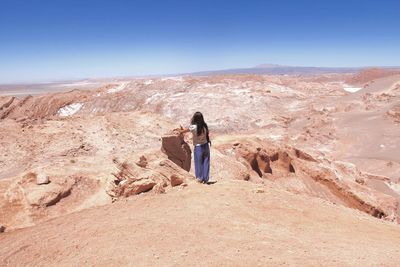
(177, 150)
(142, 162)
(45, 196)
(129, 181)
(24, 203)
(38, 107)
(297, 171)
(368, 75)
(394, 113)
(156, 176)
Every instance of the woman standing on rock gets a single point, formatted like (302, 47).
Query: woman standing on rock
(201, 141)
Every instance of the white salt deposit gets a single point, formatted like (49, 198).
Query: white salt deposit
(275, 137)
(77, 84)
(351, 89)
(241, 91)
(208, 85)
(69, 110)
(118, 88)
(294, 106)
(177, 79)
(394, 187)
(148, 82)
(178, 94)
(154, 97)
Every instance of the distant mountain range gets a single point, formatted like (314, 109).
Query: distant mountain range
(274, 69)
(266, 69)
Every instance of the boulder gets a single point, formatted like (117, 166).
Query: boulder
(177, 150)
(49, 195)
(2, 228)
(138, 187)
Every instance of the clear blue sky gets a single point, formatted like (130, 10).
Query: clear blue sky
(43, 40)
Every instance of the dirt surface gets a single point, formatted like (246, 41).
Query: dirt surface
(228, 223)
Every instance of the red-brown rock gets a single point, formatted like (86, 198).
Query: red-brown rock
(175, 180)
(177, 150)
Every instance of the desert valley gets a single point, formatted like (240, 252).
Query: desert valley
(305, 169)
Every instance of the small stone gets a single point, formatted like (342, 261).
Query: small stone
(245, 176)
(176, 180)
(42, 178)
(259, 190)
(184, 253)
(142, 162)
(360, 180)
(2, 228)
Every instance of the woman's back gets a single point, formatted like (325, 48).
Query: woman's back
(198, 139)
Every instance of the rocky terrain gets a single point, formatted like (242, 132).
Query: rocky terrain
(307, 171)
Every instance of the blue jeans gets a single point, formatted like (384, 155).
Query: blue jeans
(202, 162)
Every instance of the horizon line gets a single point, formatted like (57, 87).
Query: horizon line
(136, 76)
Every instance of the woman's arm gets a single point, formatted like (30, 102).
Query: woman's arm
(182, 130)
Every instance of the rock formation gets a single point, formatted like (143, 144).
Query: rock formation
(25, 203)
(129, 181)
(289, 153)
(298, 133)
(369, 75)
(177, 150)
(300, 172)
(394, 113)
(39, 107)
(133, 179)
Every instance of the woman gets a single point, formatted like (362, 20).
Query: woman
(201, 140)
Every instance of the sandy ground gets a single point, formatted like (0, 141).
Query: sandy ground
(225, 224)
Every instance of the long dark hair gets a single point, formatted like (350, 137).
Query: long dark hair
(198, 120)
